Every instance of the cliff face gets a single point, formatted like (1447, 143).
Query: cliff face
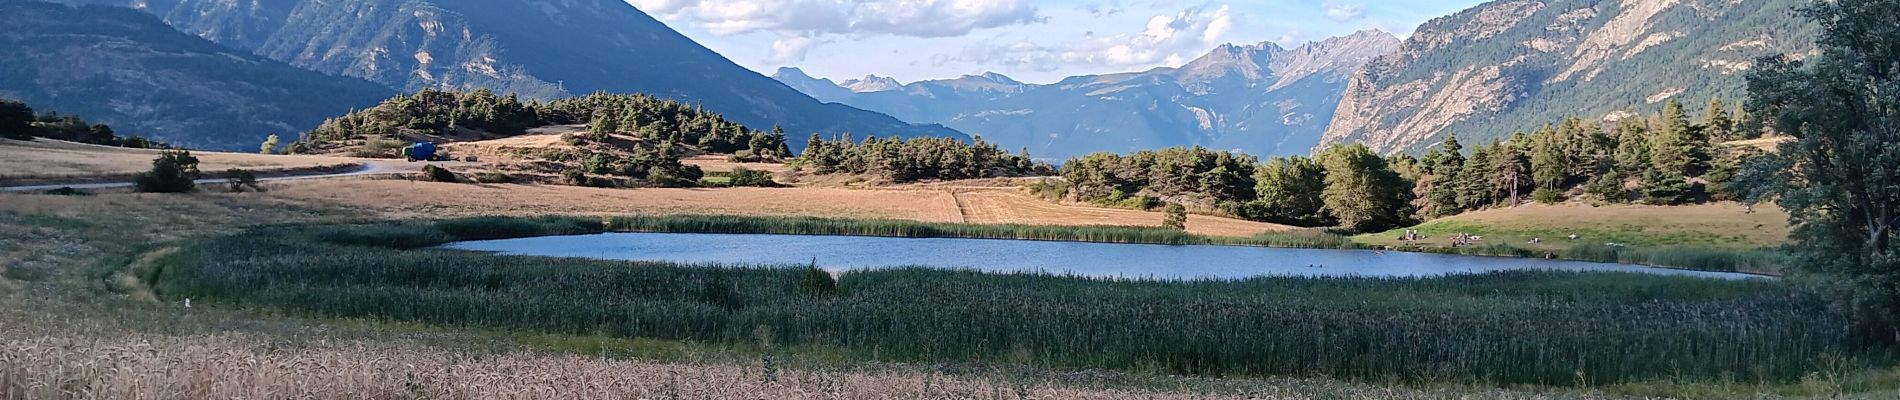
(1517, 64)
(1262, 99)
(130, 70)
(538, 48)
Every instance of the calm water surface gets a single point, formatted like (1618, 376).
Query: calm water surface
(1086, 259)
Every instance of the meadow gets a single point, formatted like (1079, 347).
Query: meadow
(1544, 328)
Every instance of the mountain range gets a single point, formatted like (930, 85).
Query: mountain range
(129, 70)
(1518, 64)
(1260, 98)
(537, 48)
(224, 73)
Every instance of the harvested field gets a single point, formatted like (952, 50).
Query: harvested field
(403, 199)
(43, 160)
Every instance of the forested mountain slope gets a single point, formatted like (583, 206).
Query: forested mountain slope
(141, 76)
(1261, 99)
(538, 48)
(1518, 64)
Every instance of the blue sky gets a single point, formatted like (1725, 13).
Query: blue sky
(1033, 41)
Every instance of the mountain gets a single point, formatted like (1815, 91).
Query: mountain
(1262, 99)
(538, 48)
(1518, 64)
(131, 71)
(872, 83)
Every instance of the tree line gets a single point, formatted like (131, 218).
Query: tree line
(1667, 159)
(913, 159)
(432, 112)
(18, 121)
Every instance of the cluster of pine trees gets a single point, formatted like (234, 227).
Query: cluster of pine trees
(665, 121)
(1140, 179)
(435, 112)
(907, 160)
(17, 121)
(1665, 160)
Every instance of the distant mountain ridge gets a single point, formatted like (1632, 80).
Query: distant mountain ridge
(1261, 98)
(538, 48)
(131, 71)
(1517, 64)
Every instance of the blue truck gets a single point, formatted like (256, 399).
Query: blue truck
(424, 151)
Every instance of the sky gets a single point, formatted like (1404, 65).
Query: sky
(1033, 41)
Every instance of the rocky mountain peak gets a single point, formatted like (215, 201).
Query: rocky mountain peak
(872, 84)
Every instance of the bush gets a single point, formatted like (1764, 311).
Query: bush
(1176, 217)
(742, 177)
(67, 191)
(238, 179)
(439, 174)
(493, 176)
(1547, 196)
(816, 282)
(172, 172)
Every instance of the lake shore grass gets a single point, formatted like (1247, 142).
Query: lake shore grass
(1525, 327)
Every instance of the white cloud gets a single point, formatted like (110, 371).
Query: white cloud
(791, 49)
(1343, 12)
(918, 18)
(1164, 40)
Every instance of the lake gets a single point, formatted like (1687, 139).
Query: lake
(1104, 260)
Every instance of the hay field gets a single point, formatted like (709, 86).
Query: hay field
(411, 199)
(43, 160)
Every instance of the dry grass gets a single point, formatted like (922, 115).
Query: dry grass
(235, 366)
(1720, 225)
(719, 163)
(44, 159)
(403, 199)
(1015, 207)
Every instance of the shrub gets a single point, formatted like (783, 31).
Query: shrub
(742, 177)
(816, 282)
(493, 176)
(67, 191)
(439, 174)
(172, 172)
(1176, 217)
(1547, 196)
(238, 179)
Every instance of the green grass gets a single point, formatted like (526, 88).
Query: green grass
(1506, 328)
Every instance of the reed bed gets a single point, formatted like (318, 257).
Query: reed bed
(1552, 328)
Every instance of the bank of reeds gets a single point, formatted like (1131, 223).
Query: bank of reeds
(1557, 328)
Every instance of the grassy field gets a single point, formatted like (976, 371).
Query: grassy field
(1506, 328)
(56, 161)
(73, 305)
(79, 318)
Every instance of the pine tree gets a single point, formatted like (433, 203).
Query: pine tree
(1443, 194)
(1681, 148)
(1716, 122)
(269, 146)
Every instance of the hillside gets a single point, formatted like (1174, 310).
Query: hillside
(134, 72)
(539, 48)
(1262, 99)
(1517, 64)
